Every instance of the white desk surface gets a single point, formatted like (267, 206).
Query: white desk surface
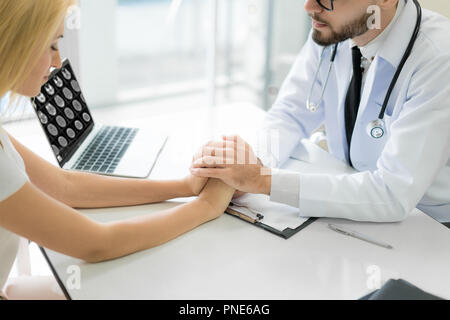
(230, 259)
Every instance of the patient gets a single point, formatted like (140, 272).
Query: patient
(37, 198)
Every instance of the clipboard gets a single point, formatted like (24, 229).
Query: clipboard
(279, 219)
(285, 234)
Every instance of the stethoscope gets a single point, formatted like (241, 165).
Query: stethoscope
(376, 128)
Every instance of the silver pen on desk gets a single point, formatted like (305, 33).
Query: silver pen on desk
(360, 236)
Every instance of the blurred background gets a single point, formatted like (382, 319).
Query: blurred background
(153, 49)
(181, 54)
(127, 51)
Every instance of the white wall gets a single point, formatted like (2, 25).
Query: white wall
(97, 47)
(441, 6)
(290, 30)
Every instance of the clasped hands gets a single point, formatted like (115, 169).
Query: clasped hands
(233, 161)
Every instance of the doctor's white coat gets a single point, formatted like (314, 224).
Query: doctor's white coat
(409, 167)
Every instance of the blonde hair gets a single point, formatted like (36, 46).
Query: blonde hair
(26, 31)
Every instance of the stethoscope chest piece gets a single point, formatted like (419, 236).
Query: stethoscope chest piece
(375, 129)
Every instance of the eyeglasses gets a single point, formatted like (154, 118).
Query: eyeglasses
(326, 4)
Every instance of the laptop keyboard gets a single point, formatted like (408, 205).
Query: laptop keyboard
(106, 150)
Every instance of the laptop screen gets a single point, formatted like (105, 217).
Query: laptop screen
(63, 113)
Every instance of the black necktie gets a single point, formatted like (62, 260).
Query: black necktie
(353, 97)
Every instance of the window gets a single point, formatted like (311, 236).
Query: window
(136, 50)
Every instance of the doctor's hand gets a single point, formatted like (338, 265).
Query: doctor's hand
(233, 161)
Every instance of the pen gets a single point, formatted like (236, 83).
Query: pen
(254, 215)
(242, 216)
(360, 236)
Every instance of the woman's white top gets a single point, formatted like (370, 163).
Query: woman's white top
(12, 177)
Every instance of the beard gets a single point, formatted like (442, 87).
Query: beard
(352, 29)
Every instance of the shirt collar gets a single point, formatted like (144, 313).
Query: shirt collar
(370, 50)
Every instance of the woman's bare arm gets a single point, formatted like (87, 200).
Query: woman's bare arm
(85, 190)
(34, 215)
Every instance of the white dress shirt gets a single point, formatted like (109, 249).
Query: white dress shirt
(370, 50)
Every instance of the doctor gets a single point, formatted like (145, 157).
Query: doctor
(401, 152)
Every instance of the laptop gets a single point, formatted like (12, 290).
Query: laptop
(80, 144)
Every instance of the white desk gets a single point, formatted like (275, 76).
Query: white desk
(231, 259)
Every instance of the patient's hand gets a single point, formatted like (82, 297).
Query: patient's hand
(195, 184)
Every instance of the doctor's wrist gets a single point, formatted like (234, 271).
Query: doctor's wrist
(265, 181)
